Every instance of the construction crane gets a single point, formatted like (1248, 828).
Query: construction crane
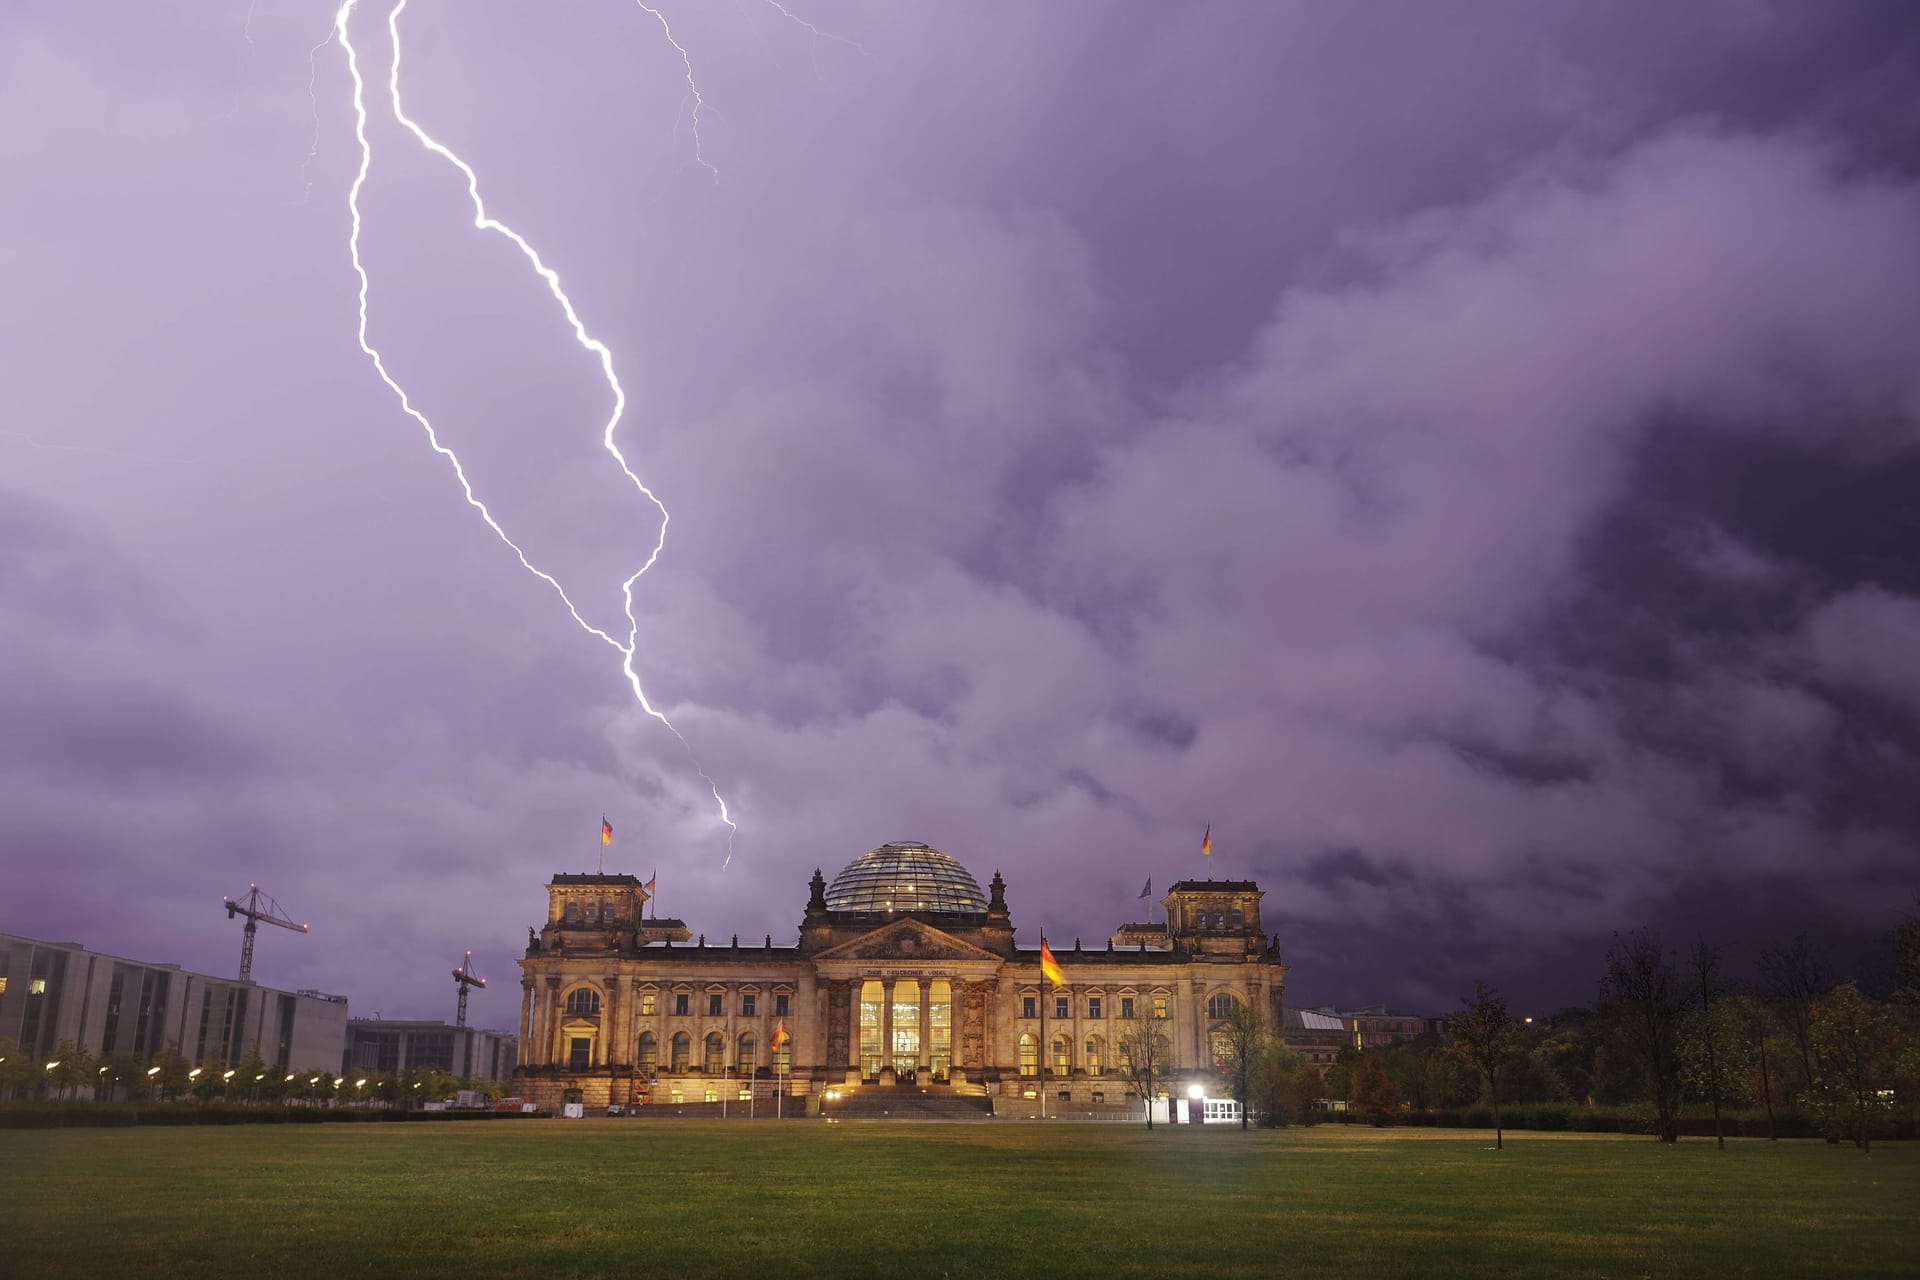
(465, 976)
(255, 913)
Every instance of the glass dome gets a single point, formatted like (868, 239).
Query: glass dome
(905, 876)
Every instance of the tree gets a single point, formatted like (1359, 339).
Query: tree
(1644, 999)
(16, 1072)
(1489, 1039)
(1428, 1076)
(1703, 964)
(1753, 1027)
(1373, 1090)
(1275, 1085)
(1857, 1042)
(1243, 1038)
(1906, 956)
(1796, 976)
(171, 1077)
(75, 1069)
(1144, 1052)
(1717, 1056)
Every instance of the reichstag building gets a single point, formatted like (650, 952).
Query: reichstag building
(905, 973)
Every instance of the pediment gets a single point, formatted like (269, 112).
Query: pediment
(906, 940)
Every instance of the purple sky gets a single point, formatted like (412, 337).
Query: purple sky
(1465, 453)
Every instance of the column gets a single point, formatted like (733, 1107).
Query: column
(925, 1059)
(526, 1019)
(603, 1046)
(551, 1029)
(886, 1024)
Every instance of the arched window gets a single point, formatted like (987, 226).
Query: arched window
(1125, 1054)
(573, 913)
(583, 1002)
(1029, 1054)
(606, 911)
(716, 1057)
(749, 1054)
(1222, 1050)
(593, 912)
(1221, 1005)
(649, 1056)
(682, 1050)
(1062, 1055)
(1096, 1055)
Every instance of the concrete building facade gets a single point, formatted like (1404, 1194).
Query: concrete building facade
(60, 991)
(392, 1045)
(904, 971)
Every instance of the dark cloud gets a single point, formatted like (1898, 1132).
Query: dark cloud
(1465, 456)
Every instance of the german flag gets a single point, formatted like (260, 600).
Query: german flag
(606, 831)
(780, 1037)
(1049, 967)
(1206, 841)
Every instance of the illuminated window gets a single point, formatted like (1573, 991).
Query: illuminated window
(682, 1052)
(1222, 1050)
(1159, 1006)
(646, 1005)
(780, 1003)
(872, 1010)
(940, 1026)
(716, 1005)
(783, 1056)
(747, 1004)
(749, 1054)
(713, 1095)
(1093, 1006)
(1126, 1006)
(649, 1055)
(716, 1057)
(1221, 1006)
(1062, 1056)
(1029, 1054)
(1060, 1007)
(583, 1002)
(1027, 1009)
(1096, 1055)
(3, 986)
(680, 1004)
(906, 1026)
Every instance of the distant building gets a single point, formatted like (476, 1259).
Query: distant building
(1316, 1035)
(380, 1044)
(55, 991)
(1321, 1032)
(905, 975)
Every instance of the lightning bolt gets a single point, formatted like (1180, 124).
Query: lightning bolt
(485, 222)
(791, 16)
(313, 107)
(686, 63)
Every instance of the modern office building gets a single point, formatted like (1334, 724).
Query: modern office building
(380, 1044)
(52, 992)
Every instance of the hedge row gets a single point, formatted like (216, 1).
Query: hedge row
(1739, 1124)
(83, 1116)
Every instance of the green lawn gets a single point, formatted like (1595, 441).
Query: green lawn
(660, 1198)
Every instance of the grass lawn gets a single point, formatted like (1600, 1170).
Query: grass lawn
(660, 1198)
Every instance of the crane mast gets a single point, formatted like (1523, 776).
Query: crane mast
(252, 909)
(465, 976)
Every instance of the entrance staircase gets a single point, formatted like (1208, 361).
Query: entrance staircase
(909, 1102)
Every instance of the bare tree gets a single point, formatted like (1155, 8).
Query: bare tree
(1796, 976)
(1243, 1036)
(1703, 963)
(1144, 1051)
(1489, 1039)
(1643, 996)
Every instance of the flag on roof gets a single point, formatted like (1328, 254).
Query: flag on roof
(1049, 967)
(1147, 888)
(606, 831)
(1206, 841)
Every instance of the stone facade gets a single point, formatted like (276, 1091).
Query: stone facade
(903, 972)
